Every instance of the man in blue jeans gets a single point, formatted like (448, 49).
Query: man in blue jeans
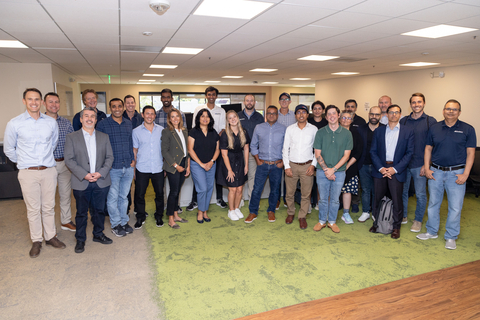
(119, 130)
(266, 148)
(450, 149)
(365, 165)
(420, 123)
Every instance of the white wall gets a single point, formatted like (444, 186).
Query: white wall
(14, 79)
(460, 83)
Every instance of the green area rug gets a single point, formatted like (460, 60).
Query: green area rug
(228, 269)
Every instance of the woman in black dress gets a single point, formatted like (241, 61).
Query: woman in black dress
(234, 148)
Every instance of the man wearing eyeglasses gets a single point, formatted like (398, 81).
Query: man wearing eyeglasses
(449, 156)
(391, 152)
(420, 123)
(365, 165)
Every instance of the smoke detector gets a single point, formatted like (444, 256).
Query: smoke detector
(159, 6)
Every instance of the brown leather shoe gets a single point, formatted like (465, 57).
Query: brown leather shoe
(35, 251)
(396, 233)
(69, 226)
(271, 216)
(250, 218)
(319, 227)
(289, 219)
(373, 229)
(334, 227)
(303, 223)
(278, 205)
(54, 242)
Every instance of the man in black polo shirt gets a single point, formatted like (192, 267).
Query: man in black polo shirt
(450, 149)
(249, 118)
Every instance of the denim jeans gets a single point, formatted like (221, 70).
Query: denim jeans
(141, 184)
(445, 181)
(117, 201)
(420, 192)
(329, 196)
(368, 192)
(275, 175)
(94, 197)
(204, 181)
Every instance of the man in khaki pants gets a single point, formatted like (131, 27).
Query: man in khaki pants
(52, 104)
(29, 141)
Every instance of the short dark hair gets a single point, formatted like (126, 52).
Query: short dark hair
(249, 94)
(210, 89)
(128, 96)
(114, 99)
(197, 119)
(320, 103)
(332, 107)
(88, 109)
(31, 90)
(351, 100)
(166, 90)
(453, 101)
(272, 107)
(417, 94)
(148, 107)
(394, 106)
(50, 94)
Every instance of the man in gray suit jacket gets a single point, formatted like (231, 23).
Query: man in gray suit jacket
(89, 156)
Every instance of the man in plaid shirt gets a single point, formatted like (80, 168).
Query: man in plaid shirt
(52, 104)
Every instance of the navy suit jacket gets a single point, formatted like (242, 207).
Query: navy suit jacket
(403, 152)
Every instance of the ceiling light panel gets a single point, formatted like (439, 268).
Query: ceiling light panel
(236, 9)
(163, 66)
(152, 75)
(318, 58)
(419, 64)
(232, 77)
(439, 31)
(263, 70)
(300, 79)
(11, 44)
(178, 50)
(344, 73)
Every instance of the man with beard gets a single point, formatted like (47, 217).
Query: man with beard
(166, 96)
(250, 118)
(351, 106)
(365, 165)
(130, 112)
(384, 102)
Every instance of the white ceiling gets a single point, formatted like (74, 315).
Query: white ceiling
(91, 39)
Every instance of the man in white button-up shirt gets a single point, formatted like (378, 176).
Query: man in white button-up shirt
(299, 162)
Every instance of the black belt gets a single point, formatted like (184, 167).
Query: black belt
(271, 162)
(448, 168)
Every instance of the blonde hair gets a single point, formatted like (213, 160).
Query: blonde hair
(229, 132)
(169, 122)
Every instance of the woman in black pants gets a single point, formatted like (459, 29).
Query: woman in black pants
(176, 162)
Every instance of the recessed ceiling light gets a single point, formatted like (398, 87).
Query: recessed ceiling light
(11, 44)
(144, 83)
(163, 66)
(232, 77)
(236, 9)
(146, 80)
(344, 73)
(212, 81)
(263, 70)
(318, 58)
(304, 86)
(269, 82)
(152, 75)
(300, 79)
(177, 50)
(439, 31)
(419, 64)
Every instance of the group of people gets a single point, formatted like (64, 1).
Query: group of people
(324, 158)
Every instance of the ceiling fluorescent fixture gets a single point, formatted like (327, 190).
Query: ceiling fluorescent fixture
(419, 64)
(263, 70)
(178, 50)
(232, 77)
(439, 31)
(318, 58)
(300, 79)
(235, 9)
(152, 75)
(144, 83)
(163, 66)
(11, 44)
(146, 80)
(344, 73)
(212, 81)
(269, 82)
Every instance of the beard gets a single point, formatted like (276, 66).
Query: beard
(374, 121)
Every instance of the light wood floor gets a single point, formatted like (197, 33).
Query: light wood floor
(452, 293)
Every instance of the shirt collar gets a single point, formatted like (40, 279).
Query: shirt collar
(397, 126)
(246, 115)
(86, 134)
(329, 130)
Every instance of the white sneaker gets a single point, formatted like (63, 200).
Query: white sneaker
(232, 215)
(239, 213)
(426, 236)
(316, 207)
(364, 217)
(450, 244)
(309, 208)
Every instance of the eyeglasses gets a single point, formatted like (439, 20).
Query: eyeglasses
(346, 118)
(284, 99)
(393, 112)
(271, 113)
(450, 110)
(376, 114)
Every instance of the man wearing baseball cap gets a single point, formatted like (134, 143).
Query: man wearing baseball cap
(299, 162)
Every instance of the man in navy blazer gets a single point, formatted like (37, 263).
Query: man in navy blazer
(391, 152)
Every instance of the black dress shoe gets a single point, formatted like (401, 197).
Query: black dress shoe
(80, 247)
(207, 219)
(396, 233)
(103, 239)
(373, 229)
